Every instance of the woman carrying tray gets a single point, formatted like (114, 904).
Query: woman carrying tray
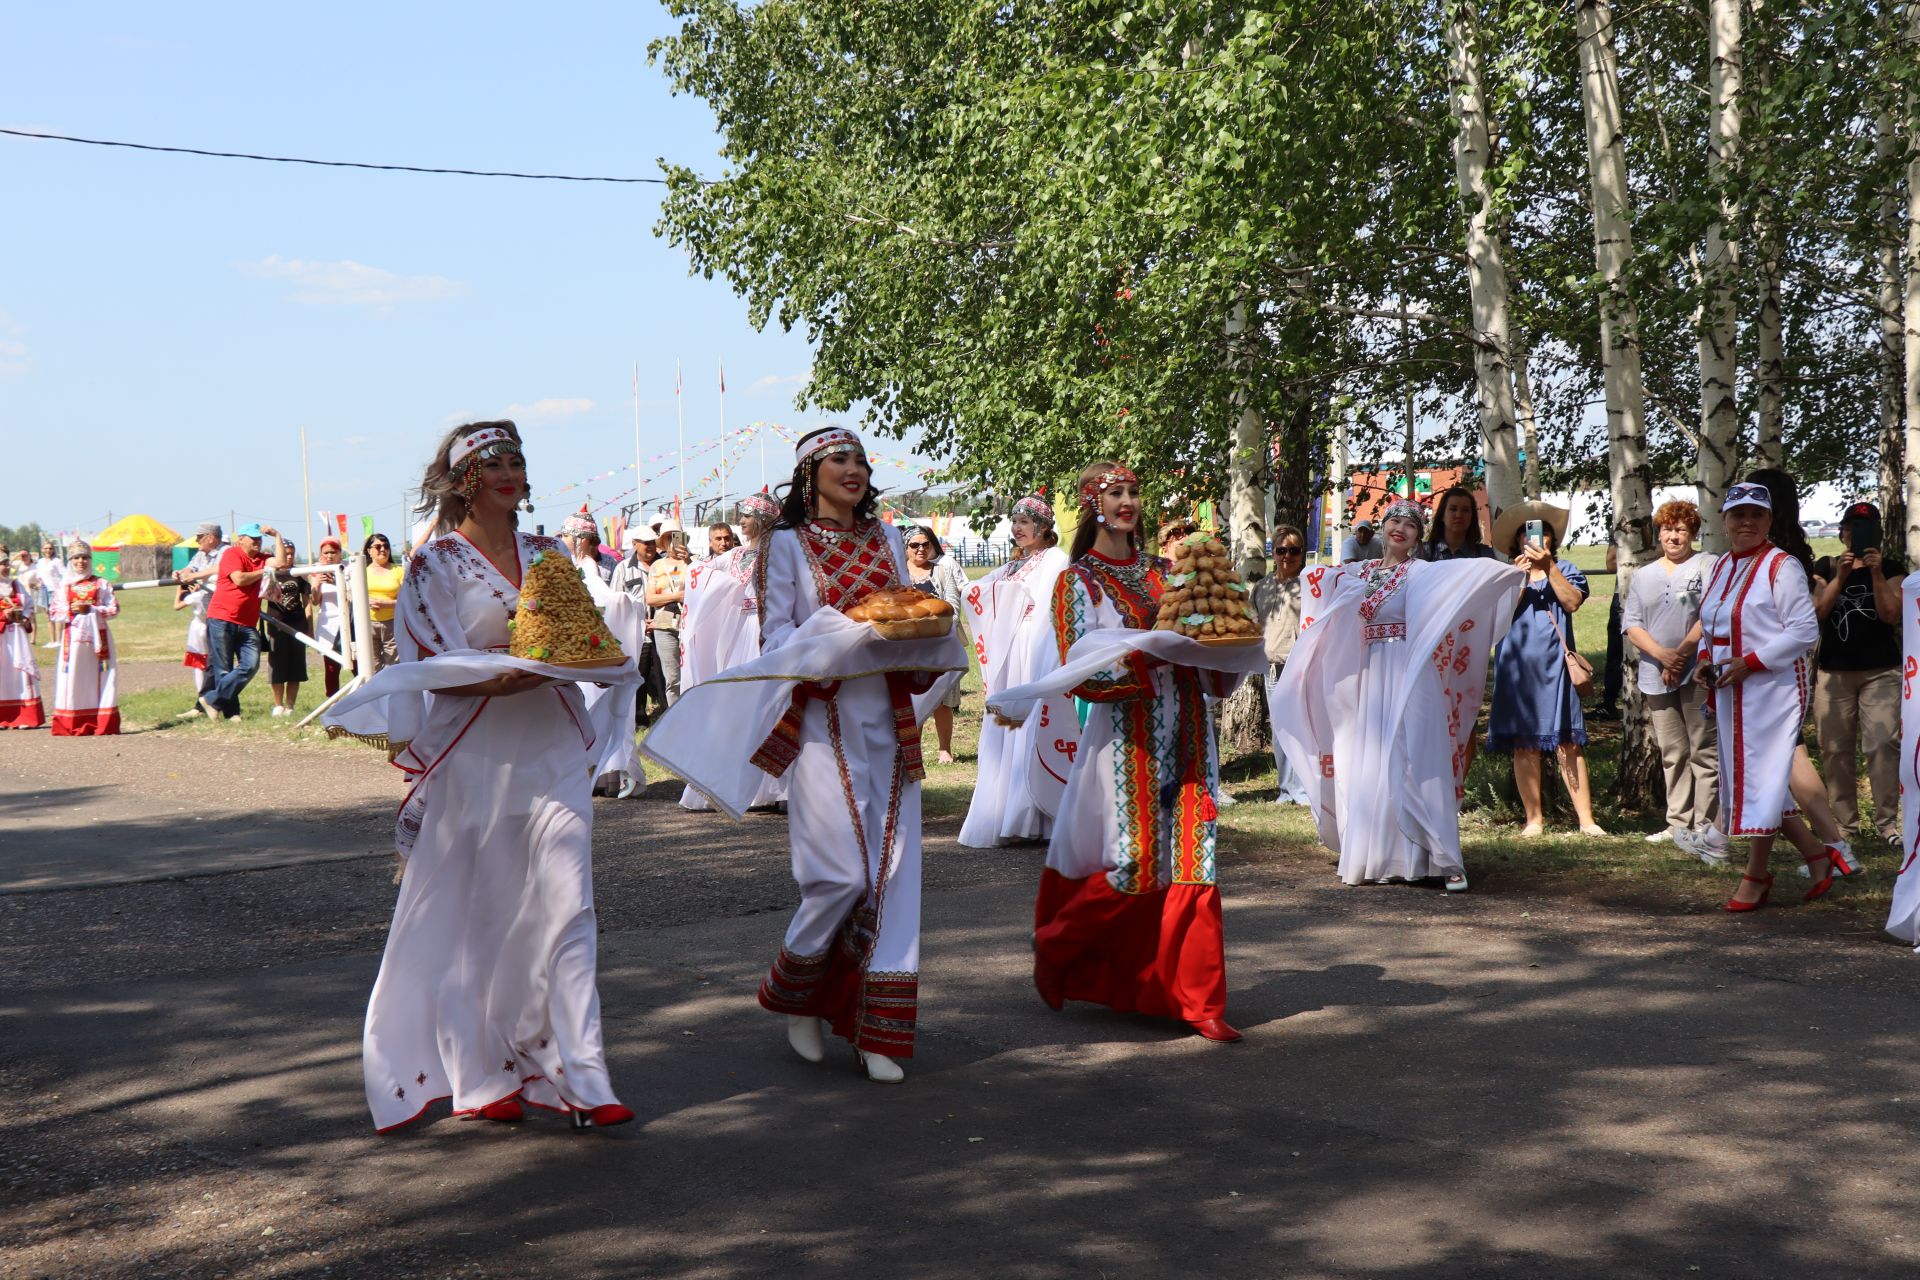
(487, 990)
(1010, 610)
(834, 707)
(1376, 706)
(1128, 914)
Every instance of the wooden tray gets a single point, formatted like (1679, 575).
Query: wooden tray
(1227, 640)
(583, 664)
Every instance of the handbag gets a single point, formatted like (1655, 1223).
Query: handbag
(1579, 670)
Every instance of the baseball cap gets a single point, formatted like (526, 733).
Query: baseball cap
(249, 530)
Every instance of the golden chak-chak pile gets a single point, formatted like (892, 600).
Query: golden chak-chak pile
(1205, 598)
(557, 622)
(902, 613)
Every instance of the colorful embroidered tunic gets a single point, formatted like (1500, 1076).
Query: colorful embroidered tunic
(1128, 914)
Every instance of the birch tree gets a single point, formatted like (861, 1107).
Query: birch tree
(1486, 268)
(1719, 435)
(1627, 472)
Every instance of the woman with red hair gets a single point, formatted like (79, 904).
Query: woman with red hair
(1662, 605)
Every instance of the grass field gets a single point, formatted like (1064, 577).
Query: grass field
(1622, 865)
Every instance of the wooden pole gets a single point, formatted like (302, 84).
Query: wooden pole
(306, 493)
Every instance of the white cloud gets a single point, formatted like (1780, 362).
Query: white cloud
(14, 357)
(781, 380)
(551, 407)
(349, 283)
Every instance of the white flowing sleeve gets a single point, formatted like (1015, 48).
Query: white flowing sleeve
(781, 604)
(1799, 624)
(428, 608)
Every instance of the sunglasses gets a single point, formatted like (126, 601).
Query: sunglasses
(919, 546)
(1290, 551)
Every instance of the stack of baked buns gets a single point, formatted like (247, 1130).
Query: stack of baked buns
(557, 622)
(902, 613)
(1204, 598)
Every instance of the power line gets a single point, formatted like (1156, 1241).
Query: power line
(330, 164)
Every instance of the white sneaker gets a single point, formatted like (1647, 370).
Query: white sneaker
(1665, 836)
(1222, 800)
(1709, 845)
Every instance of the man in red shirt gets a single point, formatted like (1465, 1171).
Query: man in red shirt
(233, 620)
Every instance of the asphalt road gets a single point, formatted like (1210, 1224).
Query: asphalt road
(1431, 1086)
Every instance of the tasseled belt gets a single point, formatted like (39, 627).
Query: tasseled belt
(782, 746)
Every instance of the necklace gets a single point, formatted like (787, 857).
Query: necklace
(1131, 574)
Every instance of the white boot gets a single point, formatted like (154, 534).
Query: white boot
(804, 1035)
(881, 1069)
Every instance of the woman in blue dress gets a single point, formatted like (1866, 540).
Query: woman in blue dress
(1535, 707)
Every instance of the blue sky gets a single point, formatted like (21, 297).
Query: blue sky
(169, 323)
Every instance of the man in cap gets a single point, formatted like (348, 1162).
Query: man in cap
(666, 595)
(1856, 689)
(195, 593)
(233, 621)
(49, 574)
(1361, 544)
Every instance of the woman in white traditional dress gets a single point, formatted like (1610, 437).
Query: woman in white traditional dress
(850, 961)
(20, 704)
(721, 626)
(611, 709)
(487, 991)
(330, 610)
(85, 697)
(1758, 628)
(1010, 611)
(1376, 706)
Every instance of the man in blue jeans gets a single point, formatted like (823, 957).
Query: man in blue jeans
(233, 620)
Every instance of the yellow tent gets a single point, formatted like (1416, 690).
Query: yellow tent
(136, 549)
(135, 531)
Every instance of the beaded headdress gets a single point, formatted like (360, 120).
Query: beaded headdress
(1406, 509)
(579, 525)
(762, 506)
(1037, 509)
(1091, 489)
(475, 447)
(810, 449)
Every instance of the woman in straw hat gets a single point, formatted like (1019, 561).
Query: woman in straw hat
(1535, 705)
(1375, 707)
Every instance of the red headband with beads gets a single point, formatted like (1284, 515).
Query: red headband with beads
(1091, 490)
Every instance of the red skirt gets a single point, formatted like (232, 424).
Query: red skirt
(27, 713)
(1161, 953)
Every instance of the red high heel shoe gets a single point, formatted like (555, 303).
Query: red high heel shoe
(506, 1111)
(1838, 868)
(1766, 887)
(603, 1116)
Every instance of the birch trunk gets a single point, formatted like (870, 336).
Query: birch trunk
(1719, 320)
(1891, 490)
(1911, 315)
(1529, 428)
(1638, 776)
(1486, 268)
(1247, 468)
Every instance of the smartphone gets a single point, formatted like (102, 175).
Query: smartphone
(1863, 536)
(1537, 533)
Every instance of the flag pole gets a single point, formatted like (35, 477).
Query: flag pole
(637, 495)
(680, 415)
(719, 514)
(306, 494)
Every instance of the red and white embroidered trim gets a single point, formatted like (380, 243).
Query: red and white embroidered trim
(1375, 632)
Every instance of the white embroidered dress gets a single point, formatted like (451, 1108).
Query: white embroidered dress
(1010, 612)
(721, 629)
(1376, 705)
(487, 987)
(20, 704)
(86, 701)
(1759, 606)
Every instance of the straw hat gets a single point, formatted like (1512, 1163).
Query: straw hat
(1510, 521)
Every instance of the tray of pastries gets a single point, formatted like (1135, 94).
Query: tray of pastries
(902, 613)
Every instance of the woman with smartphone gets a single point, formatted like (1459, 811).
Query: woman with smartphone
(1536, 705)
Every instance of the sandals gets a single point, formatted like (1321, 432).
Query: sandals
(1766, 887)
